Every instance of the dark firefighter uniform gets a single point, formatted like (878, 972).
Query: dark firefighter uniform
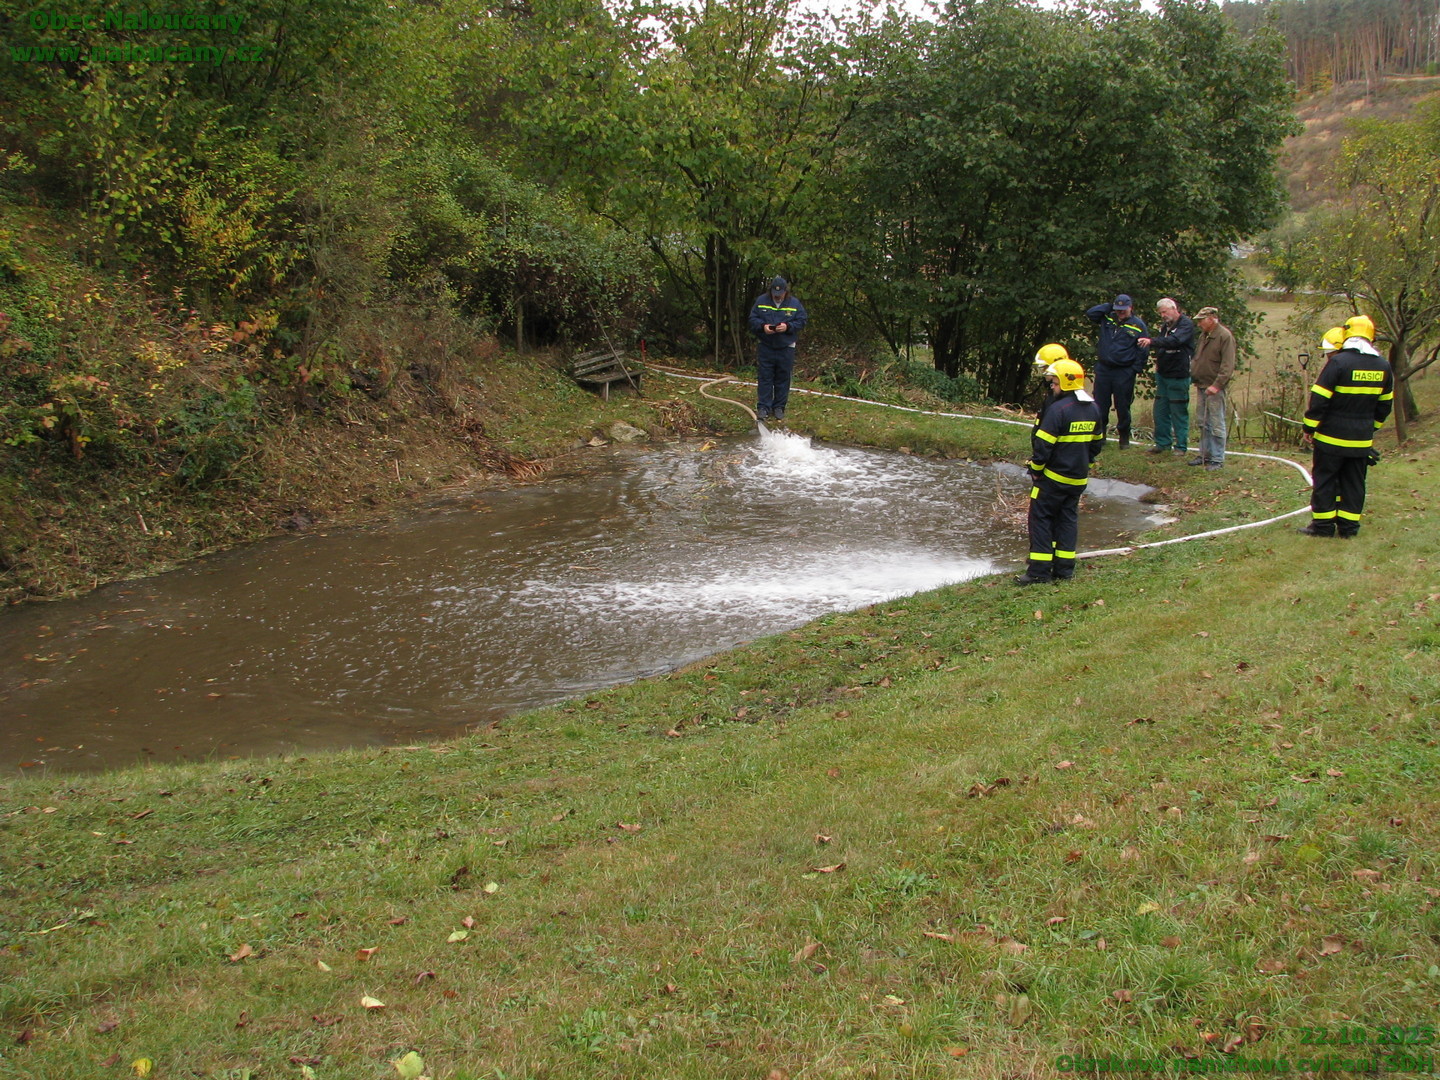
(1350, 400)
(1063, 443)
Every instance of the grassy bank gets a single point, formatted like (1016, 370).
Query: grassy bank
(1182, 807)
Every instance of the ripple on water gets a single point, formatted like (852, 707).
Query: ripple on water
(501, 601)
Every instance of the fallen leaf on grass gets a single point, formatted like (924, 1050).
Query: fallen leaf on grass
(468, 922)
(457, 935)
(1147, 908)
(1271, 967)
(828, 869)
(322, 965)
(938, 936)
(1122, 996)
(1334, 772)
(805, 952)
(1365, 875)
(1055, 920)
(424, 976)
(821, 838)
(365, 954)
(1064, 765)
(241, 953)
(399, 920)
(372, 1003)
(411, 1066)
(111, 1061)
(142, 1066)
(242, 1021)
(491, 888)
(1331, 944)
(1170, 942)
(627, 827)
(1016, 1006)
(326, 1021)
(958, 1051)
(107, 1025)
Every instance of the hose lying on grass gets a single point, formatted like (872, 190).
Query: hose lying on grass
(711, 380)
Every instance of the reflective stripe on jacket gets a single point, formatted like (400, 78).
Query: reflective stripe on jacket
(1351, 399)
(767, 311)
(1065, 439)
(1117, 346)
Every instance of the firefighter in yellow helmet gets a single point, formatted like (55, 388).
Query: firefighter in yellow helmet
(1350, 400)
(1333, 339)
(1065, 440)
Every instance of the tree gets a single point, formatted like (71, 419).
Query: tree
(1379, 245)
(1019, 164)
(701, 130)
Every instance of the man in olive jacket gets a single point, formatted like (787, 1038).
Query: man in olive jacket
(1210, 371)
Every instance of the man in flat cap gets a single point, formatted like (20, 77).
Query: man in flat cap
(1119, 358)
(1210, 371)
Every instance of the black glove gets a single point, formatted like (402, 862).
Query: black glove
(1372, 457)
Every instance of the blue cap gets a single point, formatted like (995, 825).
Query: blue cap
(1123, 301)
(779, 284)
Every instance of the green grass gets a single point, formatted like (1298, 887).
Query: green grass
(1183, 801)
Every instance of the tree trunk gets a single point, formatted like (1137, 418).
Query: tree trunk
(1405, 409)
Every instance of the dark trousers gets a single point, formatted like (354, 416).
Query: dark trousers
(1338, 497)
(1115, 385)
(774, 369)
(1054, 528)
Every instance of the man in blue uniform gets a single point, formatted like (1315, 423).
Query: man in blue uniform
(776, 318)
(1065, 440)
(1351, 399)
(1119, 358)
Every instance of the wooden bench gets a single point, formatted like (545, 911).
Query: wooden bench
(603, 367)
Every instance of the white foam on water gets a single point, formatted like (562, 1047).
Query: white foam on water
(776, 592)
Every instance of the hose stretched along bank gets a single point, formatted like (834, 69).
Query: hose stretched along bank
(712, 380)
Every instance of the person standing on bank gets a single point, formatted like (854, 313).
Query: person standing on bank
(1065, 440)
(776, 318)
(1210, 371)
(1119, 358)
(1172, 348)
(1351, 399)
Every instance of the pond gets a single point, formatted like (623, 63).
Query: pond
(624, 563)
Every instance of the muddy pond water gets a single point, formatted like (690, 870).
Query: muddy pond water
(626, 563)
